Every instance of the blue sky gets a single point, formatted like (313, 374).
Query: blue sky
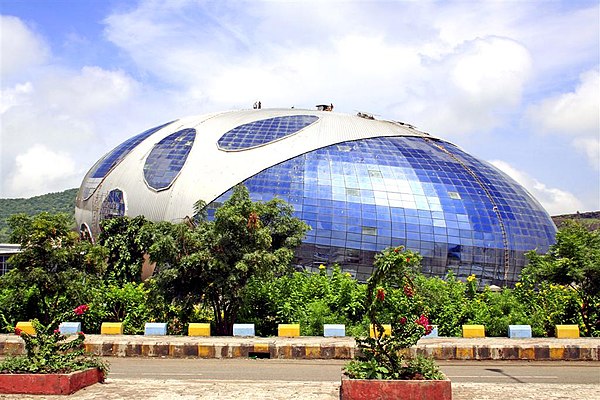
(515, 83)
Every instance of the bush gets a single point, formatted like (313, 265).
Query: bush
(310, 299)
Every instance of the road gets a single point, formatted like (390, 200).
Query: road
(247, 379)
(329, 370)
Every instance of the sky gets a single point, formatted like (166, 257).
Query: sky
(514, 83)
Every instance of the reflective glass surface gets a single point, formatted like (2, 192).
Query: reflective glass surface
(264, 131)
(111, 159)
(363, 196)
(167, 158)
(113, 205)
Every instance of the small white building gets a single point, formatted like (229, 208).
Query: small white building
(6, 251)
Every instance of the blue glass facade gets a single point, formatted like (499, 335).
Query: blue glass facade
(362, 196)
(167, 158)
(113, 205)
(264, 131)
(111, 159)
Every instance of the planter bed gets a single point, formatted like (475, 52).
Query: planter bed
(375, 389)
(49, 383)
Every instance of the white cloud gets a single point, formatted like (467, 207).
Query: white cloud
(575, 115)
(41, 170)
(20, 47)
(555, 201)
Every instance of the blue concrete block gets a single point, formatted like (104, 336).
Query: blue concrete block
(243, 330)
(333, 330)
(69, 328)
(433, 333)
(155, 329)
(519, 331)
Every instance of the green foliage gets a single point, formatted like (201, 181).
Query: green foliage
(48, 351)
(381, 356)
(573, 261)
(213, 262)
(444, 300)
(310, 299)
(62, 202)
(52, 271)
(126, 241)
(112, 303)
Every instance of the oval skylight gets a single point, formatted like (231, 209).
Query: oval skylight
(265, 131)
(112, 159)
(167, 158)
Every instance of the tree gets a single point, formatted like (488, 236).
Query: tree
(573, 261)
(214, 261)
(52, 270)
(126, 240)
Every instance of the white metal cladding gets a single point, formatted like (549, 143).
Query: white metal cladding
(210, 171)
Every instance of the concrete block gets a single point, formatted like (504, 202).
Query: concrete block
(155, 329)
(387, 330)
(111, 328)
(333, 330)
(433, 333)
(519, 331)
(69, 328)
(567, 331)
(26, 326)
(473, 331)
(243, 330)
(199, 329)
(290, 330)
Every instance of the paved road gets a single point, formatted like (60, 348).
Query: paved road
(329, 370)
(245, 379)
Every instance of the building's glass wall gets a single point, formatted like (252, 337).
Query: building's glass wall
(363, 196)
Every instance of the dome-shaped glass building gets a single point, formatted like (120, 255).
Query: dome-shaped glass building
(361, 184)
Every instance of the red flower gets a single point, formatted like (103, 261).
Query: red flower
(408, 291)
(428, 329)
(80, 310)
(403, 320)
(396, 250)
(423, 321)
(380, 294)
(18, 331)
(56, 331)
(407, 259)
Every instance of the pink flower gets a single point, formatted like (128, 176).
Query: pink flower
(80, 310)
(18, 331)
(56, 331)
(403, 321)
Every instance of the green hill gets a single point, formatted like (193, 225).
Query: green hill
(52, 202)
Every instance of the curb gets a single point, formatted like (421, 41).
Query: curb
(538, 349)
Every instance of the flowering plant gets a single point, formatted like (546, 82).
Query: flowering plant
(49, 351)
(384, 356)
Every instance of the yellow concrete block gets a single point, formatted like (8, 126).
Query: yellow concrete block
(291, 330)
(557, 353)
(205, 351)
(313, 351)
(199, 329)
(261, 347)
(387, 330)
(464, 353)
(473, 331)
(567, 331)
(111, 328)
(26, 326)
